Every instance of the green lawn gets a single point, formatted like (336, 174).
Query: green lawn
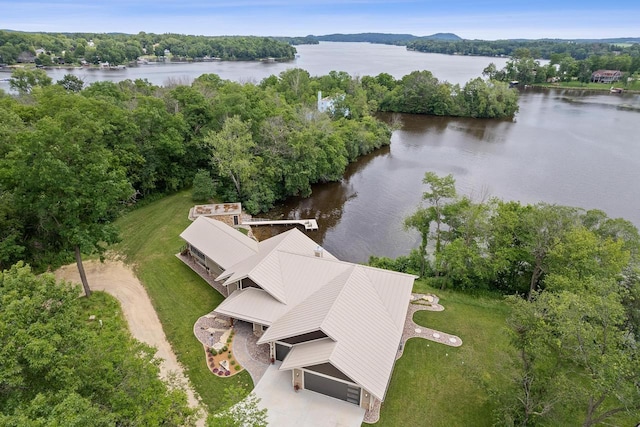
(150, 241)
(437, 385)
(432, 384)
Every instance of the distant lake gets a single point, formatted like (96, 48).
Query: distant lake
(357, 59)
(573, 148)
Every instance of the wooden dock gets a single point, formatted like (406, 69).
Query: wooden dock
(309, 224)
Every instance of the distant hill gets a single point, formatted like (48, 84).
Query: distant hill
(383, 38)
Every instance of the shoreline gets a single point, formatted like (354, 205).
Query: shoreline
(92, 67)
(594, 89)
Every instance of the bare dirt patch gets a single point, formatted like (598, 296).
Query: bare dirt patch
(117, 279)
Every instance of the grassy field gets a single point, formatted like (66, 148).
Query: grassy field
(150, 242)
(438, 385)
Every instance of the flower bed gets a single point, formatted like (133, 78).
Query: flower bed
(217, 358)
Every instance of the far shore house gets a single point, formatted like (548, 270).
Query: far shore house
(337, 326)
(606, 76)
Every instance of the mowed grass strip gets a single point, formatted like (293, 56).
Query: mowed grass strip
(437, 385)
(150, 240)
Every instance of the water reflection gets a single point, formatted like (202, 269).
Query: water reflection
(326, 204)
(571, 153)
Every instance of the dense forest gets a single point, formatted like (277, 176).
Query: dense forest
(73, 156)
(421, 93)
(71, 48)
(573, 281)
(59, 368)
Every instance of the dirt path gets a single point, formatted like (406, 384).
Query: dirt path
(115, 278)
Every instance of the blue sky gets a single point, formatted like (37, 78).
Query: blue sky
(493, 19)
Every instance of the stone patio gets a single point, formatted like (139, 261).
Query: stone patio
(213, 329)
(251, 356)
(209, 330)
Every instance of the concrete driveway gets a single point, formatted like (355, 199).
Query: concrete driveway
(305, 408)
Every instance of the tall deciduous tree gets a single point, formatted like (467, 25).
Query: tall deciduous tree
(421, 221)
(71, 83)
(440, 191)
(535, 388)
(24, 81)
(232, 152)
(548, 224)
(66, 184)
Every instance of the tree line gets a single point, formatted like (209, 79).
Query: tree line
(523, 68)
(421, 93)
(72, 157)
(572, 278)
(543, 49)
(115, 48)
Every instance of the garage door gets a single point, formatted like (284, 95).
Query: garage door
(281, 351)
(332, 388)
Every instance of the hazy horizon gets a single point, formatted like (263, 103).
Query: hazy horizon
(487, 20)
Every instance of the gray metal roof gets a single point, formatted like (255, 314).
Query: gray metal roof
(265, 267)
(252, 305)
(361, 309)
(225, 245)
(298, 276)
(309, 354)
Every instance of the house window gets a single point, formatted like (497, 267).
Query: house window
(197, 254)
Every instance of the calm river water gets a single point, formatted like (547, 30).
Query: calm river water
(566, 147)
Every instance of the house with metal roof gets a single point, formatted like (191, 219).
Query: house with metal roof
(606, 76)
(216, 246)
(335, 325)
